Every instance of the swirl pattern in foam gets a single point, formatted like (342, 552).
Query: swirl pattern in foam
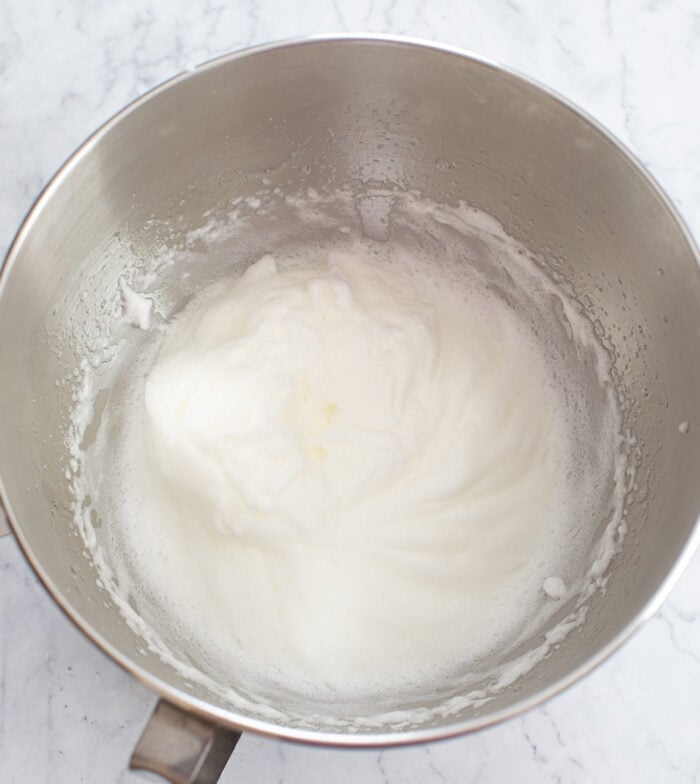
(349, 472)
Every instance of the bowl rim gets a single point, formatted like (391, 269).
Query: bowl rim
(230, 717)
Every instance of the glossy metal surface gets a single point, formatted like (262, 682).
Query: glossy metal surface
(182, 748)
(374, 110)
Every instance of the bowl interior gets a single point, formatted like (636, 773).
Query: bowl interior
(320, 114)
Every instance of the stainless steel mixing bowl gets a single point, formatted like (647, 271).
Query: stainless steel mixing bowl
(327, 111)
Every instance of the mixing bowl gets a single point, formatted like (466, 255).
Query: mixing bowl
(321, 113)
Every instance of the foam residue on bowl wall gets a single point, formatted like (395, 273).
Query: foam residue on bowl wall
(470, 252)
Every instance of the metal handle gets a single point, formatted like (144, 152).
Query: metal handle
(183, 748)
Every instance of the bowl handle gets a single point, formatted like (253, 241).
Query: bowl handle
(183, 748)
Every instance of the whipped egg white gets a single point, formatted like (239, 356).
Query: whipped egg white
(358, 473)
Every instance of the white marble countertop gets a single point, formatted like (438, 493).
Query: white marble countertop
(67, 713)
